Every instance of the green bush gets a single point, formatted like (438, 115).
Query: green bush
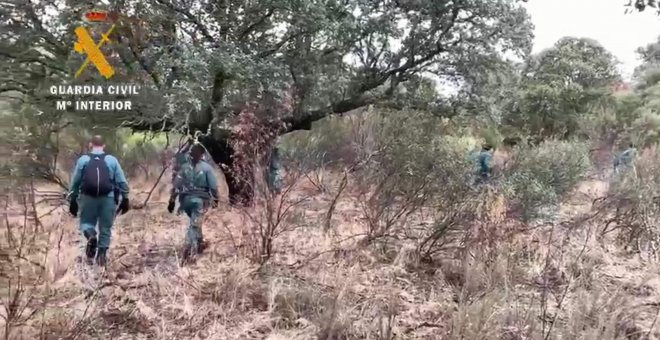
(541, 176)
(492, 136)
(645, 130)
(598, 127)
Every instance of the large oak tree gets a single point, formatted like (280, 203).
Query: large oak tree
(558, 85)
(201, 61)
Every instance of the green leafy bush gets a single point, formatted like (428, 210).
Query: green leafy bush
(645, 130)
(541, 176)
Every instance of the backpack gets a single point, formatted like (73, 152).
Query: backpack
(96, 177)
(184, 179)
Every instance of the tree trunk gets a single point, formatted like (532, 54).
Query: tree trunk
(240, 189)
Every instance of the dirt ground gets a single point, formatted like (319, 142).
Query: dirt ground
(562, 280)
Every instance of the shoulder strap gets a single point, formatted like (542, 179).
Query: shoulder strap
(92, 155)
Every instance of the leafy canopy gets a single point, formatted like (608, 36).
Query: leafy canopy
(202, 59)
(561, 83)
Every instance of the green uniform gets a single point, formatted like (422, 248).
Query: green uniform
(98, 210)
(483, 164)
(485, 167)
(275, 172)
(625, 160)
(195, 191)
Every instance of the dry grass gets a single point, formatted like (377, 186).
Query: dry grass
(549, 282)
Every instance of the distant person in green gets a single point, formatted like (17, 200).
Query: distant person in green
(275, 172)
(484, 161)
(97, 182)
(625, 160)
(195, 185)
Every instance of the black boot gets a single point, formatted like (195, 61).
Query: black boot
(188, 255)
(101, 257)
(90, 250)
(201, 246)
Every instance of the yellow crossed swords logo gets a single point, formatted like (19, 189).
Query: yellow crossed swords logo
(87, 46)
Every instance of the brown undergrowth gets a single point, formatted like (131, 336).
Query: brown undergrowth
(556, 281)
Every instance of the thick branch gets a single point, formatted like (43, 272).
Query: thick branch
(150, 71)
(216, 97)
(12, 88)
(279, 44)
(32, 15)
(256, 24)
(439, 48)
(32, 59)
(304, 121)
(205, 32)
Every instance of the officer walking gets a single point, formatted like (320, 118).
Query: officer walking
(97, 182)
(197, 188)
(625, 160)
(484, 161)
(274, 179)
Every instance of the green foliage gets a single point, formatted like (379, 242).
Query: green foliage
(138, 152)
(30, 141)
(561, 84)
(645, 130)
(650, 56)
(600, 126)
(637, 117)
(579, 61)
(541, 176)
(199, 63)
(614, 122)
(138, 139)
(45, 145)
(418, 93)
(492, 136)
(626, 109)
(344, 141)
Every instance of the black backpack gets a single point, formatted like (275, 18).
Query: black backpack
(96, 177)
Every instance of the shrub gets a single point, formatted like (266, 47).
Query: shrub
(645, 130)
(417, 168)
(540, 176)
(632, 206)
(333, 141)
(138, 152)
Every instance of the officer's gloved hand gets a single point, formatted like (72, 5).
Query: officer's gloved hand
(73, 207)
(123, 206)
(170, 206)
